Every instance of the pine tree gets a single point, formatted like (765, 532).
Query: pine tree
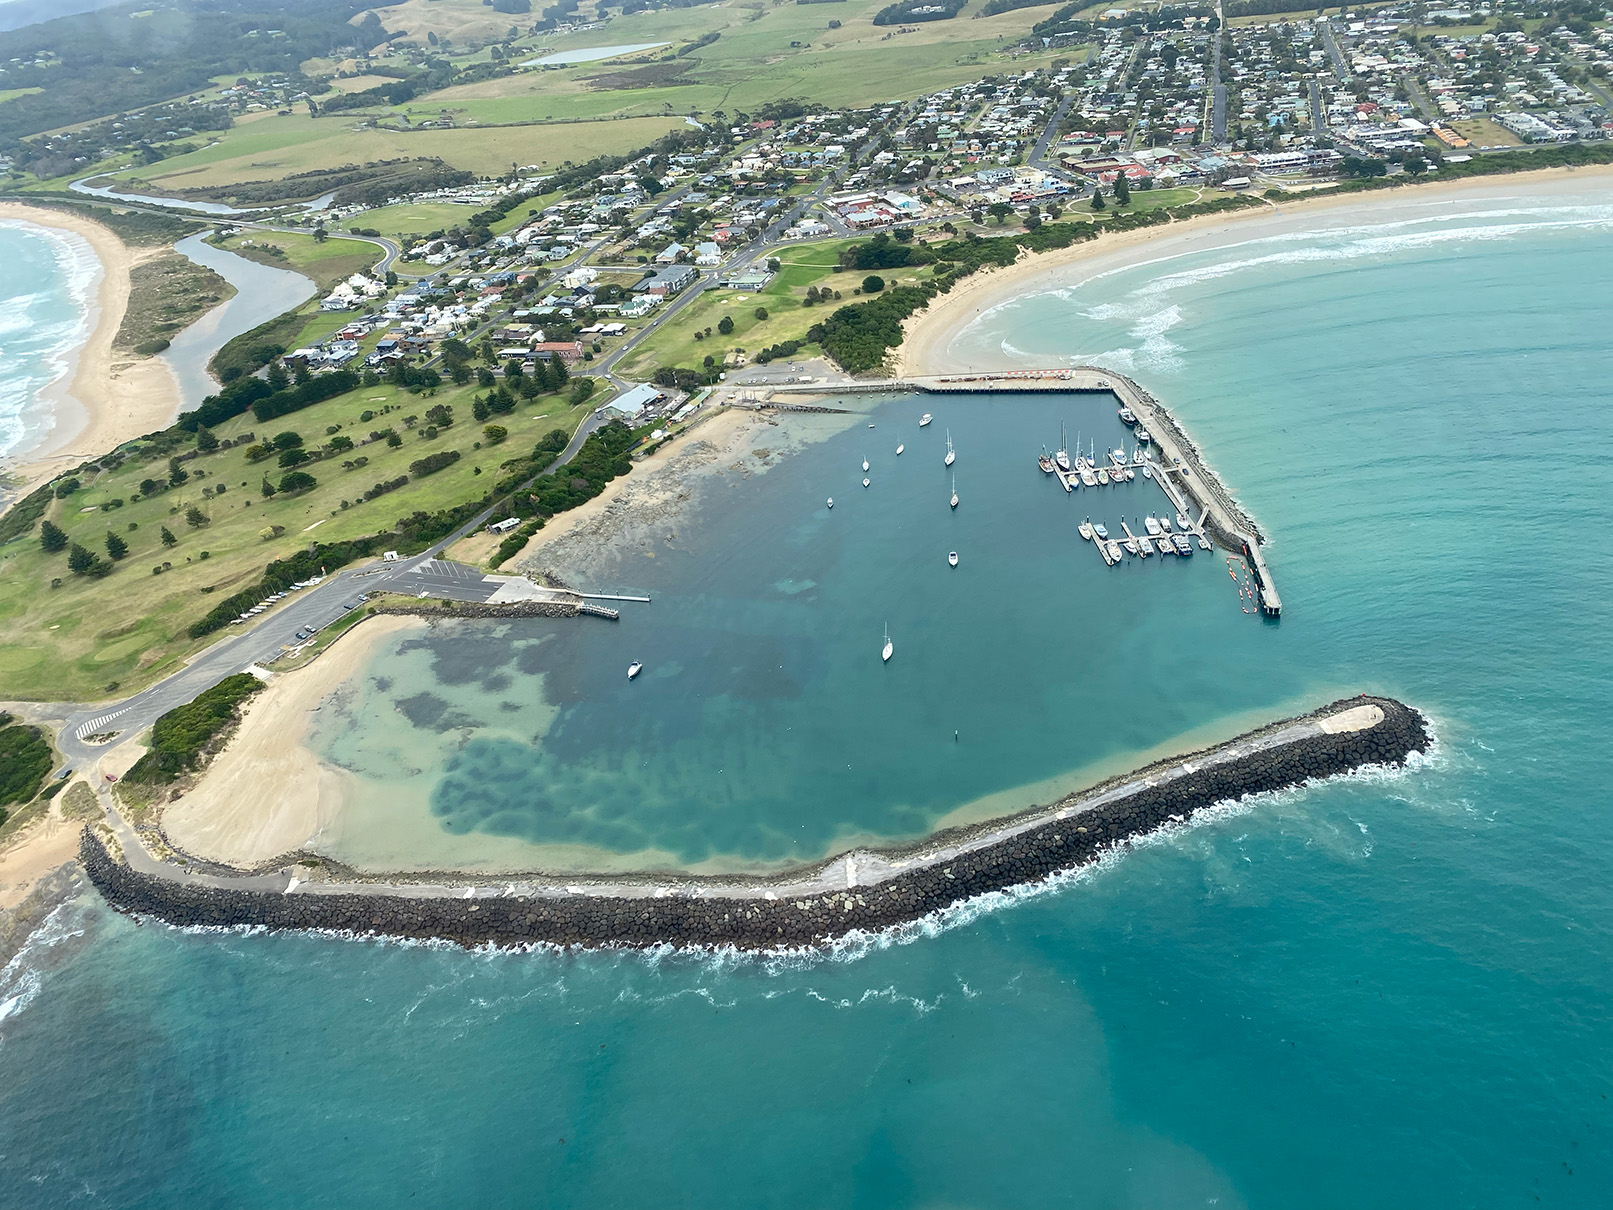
(168, 538)
(83, 562)
(1097, 199)
(116, 546)
(206, 443)
(1122, 190)
(52, 537)
(194, 517)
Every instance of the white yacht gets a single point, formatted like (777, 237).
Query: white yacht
(1182, 523)
(952, 558)
(890, 647)
(951, 453)
(954, 491)
(899, 450)
(1085, 529)
(925, 419)
(865, 482)
(865, 466)
(1152, 526)
(634, 669)
(1062, 457)
(831, 501)
(1164, 523)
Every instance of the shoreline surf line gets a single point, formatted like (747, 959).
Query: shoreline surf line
(101, 400)
(859, 891)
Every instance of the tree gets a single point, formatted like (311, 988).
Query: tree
(479, 408)
(267, 489)
(495, 433)
(286, 441)
(297, 481)
(84, 562)
(278, 379)
(320, 234)
(292, 457)
(52, 537)
(168, 538)
(116, 546)
(873, 284)
(999, 211)
(1097, 199)
(1122, 190)
(206, 443)
(761, 312)
(194, 517)
(725, 325)
(177, 474)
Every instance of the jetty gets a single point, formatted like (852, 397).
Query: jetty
(863, 890)
(1189, 484)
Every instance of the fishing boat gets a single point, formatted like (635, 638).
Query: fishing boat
(1182, 523)
(952, 558)
(1085, 530)
(865, 482)
(1045, 462)
(890, 647)
(1113, 548)
(899, 450)
(1087, 477)
(1165, 523)
(1144, 436)
(1062, 457)
(1128, 416)
(634, 669)
(951, 453)
(1118, 457)
(925, 419)
(954, 491)
(831, 501)
(865, 466)
(1183, 546)
(1151, 524)
(1102, 531)
(1165, 545)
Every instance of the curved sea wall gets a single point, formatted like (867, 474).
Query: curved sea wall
(756, 918)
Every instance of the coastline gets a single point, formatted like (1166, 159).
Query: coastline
(103, 400)
(267, 793)
(929, 334)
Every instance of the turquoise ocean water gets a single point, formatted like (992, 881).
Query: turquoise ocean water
(44, 292)
(1386, 991)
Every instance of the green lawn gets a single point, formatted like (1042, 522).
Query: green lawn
(73, 641)
(788, 316)
(327, 263)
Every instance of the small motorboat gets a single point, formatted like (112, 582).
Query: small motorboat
(831, 501)
(865, 466)
(1129, 474)
(1204, 543)
(1182, 523)
(1183, 546)
(1144, 547)
(1164, 524)
(1130, 543)
(1045, 463)
(952, 558)
(1128, 416)
(890, 647)
(899, 450)
(1102, 531)
(1085, 530)
(634, 669)
(1151, 524)
(1103, 476)
(925, 419)
(1148, 471)
(1113, 548)
(866, 482)
(1138, 457)
(1144, 436)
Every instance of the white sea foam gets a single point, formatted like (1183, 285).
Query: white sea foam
(23, 978)
(37, 350)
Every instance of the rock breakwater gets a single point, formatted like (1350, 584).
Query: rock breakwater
(1339, 738)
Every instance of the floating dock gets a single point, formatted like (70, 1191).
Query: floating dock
(1191, 486)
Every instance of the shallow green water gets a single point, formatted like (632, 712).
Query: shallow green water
(1386, 992)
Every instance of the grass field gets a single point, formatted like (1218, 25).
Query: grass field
(1485, 132)
(276, 146)
(128, 628)
(11, 94)
(327, 263)
(418, 219)
(754, 61)
(788, 317)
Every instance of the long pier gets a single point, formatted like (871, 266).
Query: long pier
(1181, 472)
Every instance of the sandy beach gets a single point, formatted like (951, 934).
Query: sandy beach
(267, 793)
(931, 333)
(109, 399)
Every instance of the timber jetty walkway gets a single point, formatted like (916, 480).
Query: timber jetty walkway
(1185, 478)
(858, 891)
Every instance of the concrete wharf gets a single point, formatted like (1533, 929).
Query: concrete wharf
(1193, 489)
